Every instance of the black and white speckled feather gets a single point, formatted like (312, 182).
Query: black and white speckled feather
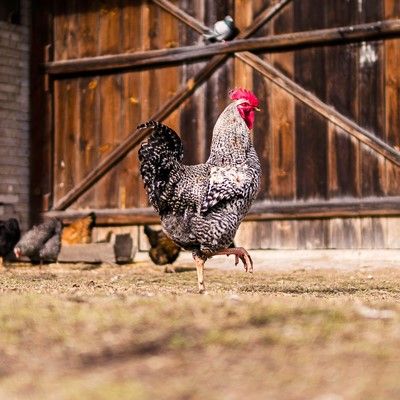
(201, 206)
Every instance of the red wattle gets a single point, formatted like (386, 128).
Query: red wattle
(248, 116)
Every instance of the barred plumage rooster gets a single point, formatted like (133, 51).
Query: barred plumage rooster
(201, 206)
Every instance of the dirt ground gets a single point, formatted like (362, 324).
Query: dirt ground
(136, 332)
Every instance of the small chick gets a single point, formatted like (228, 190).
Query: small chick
(9, 236)
(79, 231)
(163, 250)
(222, 30)
(42, 243)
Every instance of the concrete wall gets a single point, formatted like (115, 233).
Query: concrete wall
(14, 117)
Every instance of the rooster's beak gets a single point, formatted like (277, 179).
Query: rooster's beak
(257, 109)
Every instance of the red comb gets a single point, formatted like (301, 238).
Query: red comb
(237, 94)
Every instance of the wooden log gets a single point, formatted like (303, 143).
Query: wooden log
(121, 251)
(88, 253)
(164, 57)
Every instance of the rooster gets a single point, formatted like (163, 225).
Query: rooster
(41, 243)
(9, 236)
(201, 206)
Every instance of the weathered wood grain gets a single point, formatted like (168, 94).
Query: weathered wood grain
(136, 137)
(131, 97)
(279, 42)
(282, 123)
(320, 107)
(392, 97)
(132, 106)
(41, 112)
(344, 233)
(120, 251)
(260, 211)
(66, 134)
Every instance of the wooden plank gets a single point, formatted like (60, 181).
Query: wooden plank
(259, 211)
(311, 130)
(312, 234)
(144, 89)
(344, 233)
(392, 233)
(110, 93)
(372, 233)
(320, 107)
(109, 27)
(284, 234)
(71, 158)
(343, 151)
(261, 232)
(110, 87)
(343, 163)
(311, 160)
(87, 29)
(370, 101)
(66, 123)
(162, 57)
(392, 97)
(243, 72)
(370, 115)
(120, 251)
(41, 138)
(60, 31)
(89, 132)
(282, 125)
(89, 97)
(132, 105)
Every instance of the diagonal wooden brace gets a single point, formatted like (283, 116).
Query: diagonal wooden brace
(312, 101)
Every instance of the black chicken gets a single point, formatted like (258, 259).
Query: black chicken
(42, 243)
(9, 236)
(163, 250)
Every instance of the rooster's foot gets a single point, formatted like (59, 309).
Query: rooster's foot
(240, 254)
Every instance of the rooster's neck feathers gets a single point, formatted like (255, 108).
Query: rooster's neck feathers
(231, 138)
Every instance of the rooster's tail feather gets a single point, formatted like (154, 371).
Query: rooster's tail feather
(159, 157)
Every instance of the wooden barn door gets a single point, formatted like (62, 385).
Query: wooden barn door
(326, 75)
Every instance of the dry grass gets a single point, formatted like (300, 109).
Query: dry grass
(135, 332)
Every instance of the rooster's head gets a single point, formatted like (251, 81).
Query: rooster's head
(247, 106)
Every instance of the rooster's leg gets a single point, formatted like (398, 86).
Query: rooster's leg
(200, 272)
(240, 253)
